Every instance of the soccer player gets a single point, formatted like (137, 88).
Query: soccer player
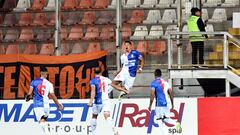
(41, 89)
(99, 100)
(161, 91)
(130, 60)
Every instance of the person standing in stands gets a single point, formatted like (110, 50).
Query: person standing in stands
(196, 24)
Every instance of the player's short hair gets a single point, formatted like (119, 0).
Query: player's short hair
(127, 41)
(43, 70)
(158, 73)
(97, 70)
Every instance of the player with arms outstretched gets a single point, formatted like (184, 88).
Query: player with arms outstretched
(161, 91)
(130, 60)
(41, 88)
(99, 100)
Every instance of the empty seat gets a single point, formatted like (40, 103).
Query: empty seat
(44, 35)
(132, 3)
(164, 3)
(12, 49)
(25, 19)
(143, 47)
(156, 32)
(169, 16)
(185, 29)
(22, 5)
(64, 49)
(77, 49)
(63, 33)
(125, 18)
(205, 16)
(107, 33)
(110, 47)
(2, 49)
(50, 6)
(11, 35)
(1, 35)
(38, 4)
(101, 3)
(72, 18)
(219, 15)
(9, 5)
(94, 47)
(209, 28)
(10, 20)
(175, 4)
(170, 28)
(92, 33)
(139, 33)
(88, 17)
(69, 4)
(153, 17)
(149, 3)
(30, 49)
(137, 16)
(40, 19)
(185, 16)
(114, 3)
(126, 31)
(26, 35)
(76, 33)
(230, 3)
(212, 3)
(85, 4)
(105, 17)
(47, 49)
(53, 20)
(159, 47)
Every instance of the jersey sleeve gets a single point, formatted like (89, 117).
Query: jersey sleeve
(122, 60)
(139, 55)
(92, 83)
(51, 89)
(32, 84)
(153, 86)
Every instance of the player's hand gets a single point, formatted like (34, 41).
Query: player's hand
(139, 70)
(27, 97)
(90, 104)
(60, 107)
(126, 91)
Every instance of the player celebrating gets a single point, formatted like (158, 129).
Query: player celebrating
(163, 94)
(127, 74)
(41, 89)
(100, 88)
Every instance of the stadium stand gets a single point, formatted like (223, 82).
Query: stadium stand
(38, 5)
(149, 3)
(30, 49)
(76, 33)
(25, 19)
(153, 17)
(10, 19)
(23, 5)
(40, 19)
(13, 49)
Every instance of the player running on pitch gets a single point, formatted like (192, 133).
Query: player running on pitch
(130, 60)
(162, 92)
(99, 100)
(41, 89)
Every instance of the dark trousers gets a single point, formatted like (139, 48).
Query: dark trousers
(197, 48)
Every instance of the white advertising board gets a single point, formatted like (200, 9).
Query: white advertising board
(130, 116)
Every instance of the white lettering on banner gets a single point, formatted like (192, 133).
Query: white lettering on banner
(130, 116)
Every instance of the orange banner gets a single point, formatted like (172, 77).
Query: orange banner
(69, 74)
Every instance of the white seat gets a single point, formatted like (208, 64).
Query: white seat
(156, 32)
(205, 14)
(50, 6)
(219, 15)
(212, 3)
(132, 3)
(139, 33)
(175, 4)
(230, 3)
(209, 28)
(170, 28)
(149, 3)
(169, 16)
(185, 16)
(22, 5)
(164, 3)
(153, 17)
(114, 3)
(185, 29)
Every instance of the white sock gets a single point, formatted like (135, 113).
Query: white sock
(43, 125)
(170, 121)
(162, 127)
(93, 126)
(111, 123)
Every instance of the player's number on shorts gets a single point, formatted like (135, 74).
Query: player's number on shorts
(41, 89)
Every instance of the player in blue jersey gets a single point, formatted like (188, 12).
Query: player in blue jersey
(130, 61)
(41, 88)
(100, 88)
(161, 91)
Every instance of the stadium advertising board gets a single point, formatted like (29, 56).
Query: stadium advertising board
(130, 117)
(70, 74)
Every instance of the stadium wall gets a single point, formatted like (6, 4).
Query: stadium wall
(198, 116)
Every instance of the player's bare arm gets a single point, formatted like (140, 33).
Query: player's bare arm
(152, 96)
(93, 90)
(141, 65)
(117, 72)
(53, 96)
(27, 97)
(170, 93)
